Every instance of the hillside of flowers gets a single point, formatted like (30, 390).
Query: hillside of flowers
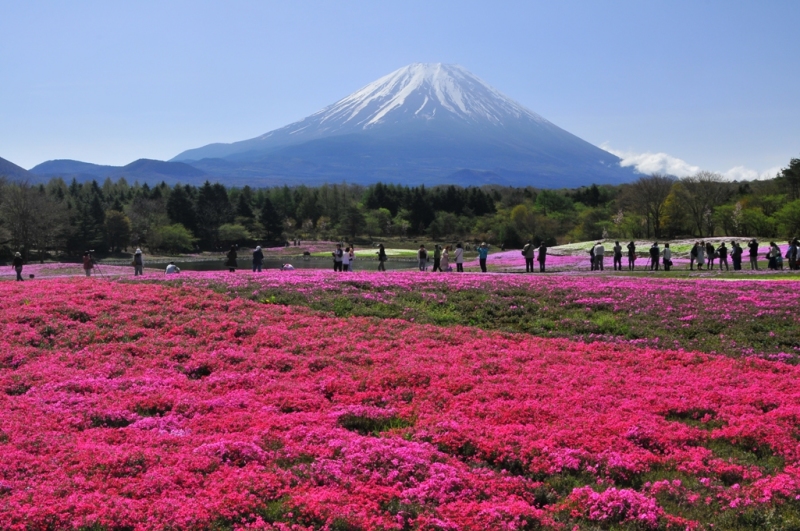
(742, 318)
(153, 406)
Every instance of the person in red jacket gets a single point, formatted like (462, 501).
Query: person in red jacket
(88, 263)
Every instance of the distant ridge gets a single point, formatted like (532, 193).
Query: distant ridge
(13, 172)
(422, 124)
(143, 170)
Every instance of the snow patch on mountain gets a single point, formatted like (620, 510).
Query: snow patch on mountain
(441, 87)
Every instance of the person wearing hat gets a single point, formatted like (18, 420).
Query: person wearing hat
(138, 263)
(483, 253)
(17, 265)
(258, 259)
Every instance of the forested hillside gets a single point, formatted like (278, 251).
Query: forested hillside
(63, 218)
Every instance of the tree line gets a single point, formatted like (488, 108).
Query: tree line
(70, 218)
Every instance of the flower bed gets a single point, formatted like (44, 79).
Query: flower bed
(746, 318)
(147, 406)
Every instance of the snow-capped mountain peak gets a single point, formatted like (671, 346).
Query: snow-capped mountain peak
(426, 122)
(421, 90)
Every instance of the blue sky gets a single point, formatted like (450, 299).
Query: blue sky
(676, 86)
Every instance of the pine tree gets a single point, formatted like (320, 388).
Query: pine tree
(271, 221)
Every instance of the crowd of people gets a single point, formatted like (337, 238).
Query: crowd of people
(702, 254)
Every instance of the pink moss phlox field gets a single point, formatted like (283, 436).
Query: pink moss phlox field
(145, 406)
(669, 304)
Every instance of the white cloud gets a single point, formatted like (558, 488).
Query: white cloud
(648, 162)
(740, 173)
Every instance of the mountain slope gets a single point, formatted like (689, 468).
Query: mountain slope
(421, 123)
(143, 170)
(15, 173)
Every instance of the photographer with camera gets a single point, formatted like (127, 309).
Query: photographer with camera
(88, 263)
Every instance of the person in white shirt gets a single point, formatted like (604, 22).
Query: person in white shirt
(667, 255)
(458, 256)
(346, 259)
(172, 269)
(599, 251)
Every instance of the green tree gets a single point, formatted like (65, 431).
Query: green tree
(788, 219)
(117, 230)
(270, 220)
(173, 238)
(230, 233)
(180, 207)
(213, 209)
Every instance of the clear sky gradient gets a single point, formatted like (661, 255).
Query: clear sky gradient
(668, 85)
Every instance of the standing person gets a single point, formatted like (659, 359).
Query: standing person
(444, 265)
(346, 259)
(722, 251)
(592, 261)
(667, 257)
(791, 254)
(692, 256)
(231, 262)
(459, 256)
(483, 253)
(772, 261)
(753, 247)
(711, 255)
(88, 263)
(701, 255)
(617, 256)
(527, 252)
(16, 265)
(138, 263)
(542, 257)
(422, 256)
(337, 257)
(655, 253)
(736, 256)
(381, 258)
(352, 257)
(437, 258)
(599, 254)
(776, 252)
(258, 259)
(631, 256)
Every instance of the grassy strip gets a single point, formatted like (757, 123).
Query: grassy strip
(717, 324)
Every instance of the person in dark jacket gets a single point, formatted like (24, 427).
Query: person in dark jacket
(381, 258)
(437, 258)
(736, 256)
(258, 259)
(655, 254)
(711, 253)
(617, 257)
(791, 254)
(231, 262)
(542, 257)
(753, 246)
(16, 264)
(631, 256)
(722, 251)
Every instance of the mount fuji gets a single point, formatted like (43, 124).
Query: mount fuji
(422, 124)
